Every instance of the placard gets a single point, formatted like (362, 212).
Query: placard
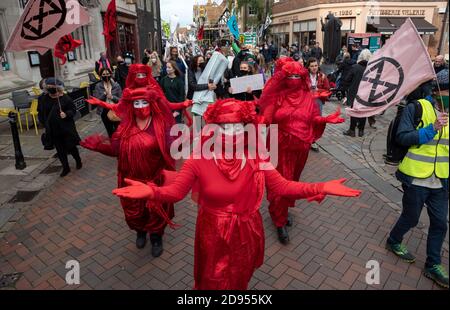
(240, 85)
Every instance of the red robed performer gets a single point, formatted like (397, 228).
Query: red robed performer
(229, 237)
(288, 102)
(140, 75)
(141, 145)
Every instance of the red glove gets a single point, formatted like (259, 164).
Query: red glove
(98, 143)
(336, 188)
(334, 118)
(136, 190)
(319, 198)
(188, 103)
(95, 101)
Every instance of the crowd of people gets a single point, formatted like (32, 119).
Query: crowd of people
(140, 102)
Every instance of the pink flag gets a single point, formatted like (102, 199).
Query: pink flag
(44, 22)
(393, 72)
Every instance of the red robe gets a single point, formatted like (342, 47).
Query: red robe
(229, 238)
(142, 155)
(298, 127)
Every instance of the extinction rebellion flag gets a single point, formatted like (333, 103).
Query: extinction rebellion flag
(393, 72)
(44, 22)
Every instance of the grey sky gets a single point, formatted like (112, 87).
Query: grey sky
(182, 8)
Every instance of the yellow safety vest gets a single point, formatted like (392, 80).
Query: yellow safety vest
(422, 161)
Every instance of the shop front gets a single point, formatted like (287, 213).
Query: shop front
(304, 24)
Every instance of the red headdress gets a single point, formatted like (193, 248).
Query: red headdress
(280, 84)
(134, 82)
(230, 111)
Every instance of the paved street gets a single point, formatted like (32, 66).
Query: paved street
(77, 218)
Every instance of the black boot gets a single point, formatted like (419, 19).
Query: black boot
(361, 132)
(64, 172)
(290, 220)
(349, 132)
(157, 244)
(79, 165)
(141, 239)
(283, 236)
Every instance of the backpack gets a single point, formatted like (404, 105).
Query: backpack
(394, 151)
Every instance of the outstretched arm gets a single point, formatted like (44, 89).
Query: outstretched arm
(174, 191)
(299, 190)
(99, 143)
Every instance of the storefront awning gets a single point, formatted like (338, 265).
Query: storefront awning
(388, 25)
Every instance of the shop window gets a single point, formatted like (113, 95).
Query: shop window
(140, 4)
(3, 56)
(251, 10)
(148, 5)
(84, 52)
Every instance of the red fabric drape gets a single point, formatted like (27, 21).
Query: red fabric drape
(110, 22)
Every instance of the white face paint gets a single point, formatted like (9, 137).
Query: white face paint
(141, 75)
(232, 129)
(140, 103)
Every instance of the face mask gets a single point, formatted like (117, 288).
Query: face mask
(141, 109)
(128, 61)
(141, 79)
(293, 83)
(52, 91)
(170, 71)
(243, 72)
(106, 78)
(154, 60)
(202, 66)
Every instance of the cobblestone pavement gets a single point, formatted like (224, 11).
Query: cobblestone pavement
(78, 218)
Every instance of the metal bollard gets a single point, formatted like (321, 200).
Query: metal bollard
(20, 160)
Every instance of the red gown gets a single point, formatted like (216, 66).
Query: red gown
(298, 127)
(229, 238)
(142, 155)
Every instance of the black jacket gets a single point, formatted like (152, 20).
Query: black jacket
(193, 86)
(350, 83)
(62, 130)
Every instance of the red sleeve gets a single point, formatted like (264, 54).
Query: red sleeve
(278, 185)
(325, 83)
(180, 187)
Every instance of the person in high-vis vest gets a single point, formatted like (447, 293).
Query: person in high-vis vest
(424, 175)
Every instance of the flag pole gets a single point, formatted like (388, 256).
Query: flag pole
(55, 75)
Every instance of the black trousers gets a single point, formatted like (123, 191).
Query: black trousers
(63, 151)
(110, 126)
(357, 122)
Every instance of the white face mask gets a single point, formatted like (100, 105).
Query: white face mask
(232, 129)
(140, 103)
(154, 60)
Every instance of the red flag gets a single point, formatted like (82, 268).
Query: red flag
(44, 22)
(66, 44)
(110, 23)
(200, 33)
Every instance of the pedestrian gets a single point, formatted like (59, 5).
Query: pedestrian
(423, 173)
(319, 85)
(155, 63)
(317, 53)
(249, 94)
(306, 53)
(174, 56)
(109, 91)
(173, 87)
(103, 62)
(439, 64)
(197, 67)
(350, 84)
(229, 232)
(123, 64)
(58, 113)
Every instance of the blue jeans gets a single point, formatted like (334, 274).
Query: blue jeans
(436, 200)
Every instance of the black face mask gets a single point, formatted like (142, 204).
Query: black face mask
(106, 78)
(52, 91)
(202, 66)
(243, 72)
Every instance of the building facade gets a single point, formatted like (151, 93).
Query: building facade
(126, 39)
(22, 70)
(209, 14)
(149, 25)
(299, 21)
